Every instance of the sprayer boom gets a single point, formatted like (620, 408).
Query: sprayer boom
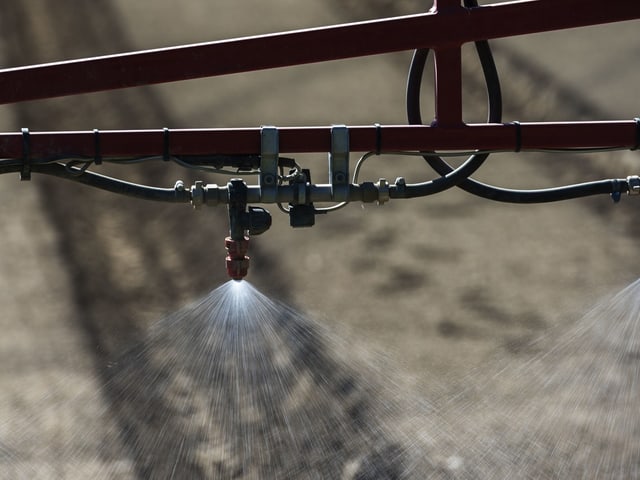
(281, 180)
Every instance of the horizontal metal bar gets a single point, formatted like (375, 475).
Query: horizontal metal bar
(506, 137)
(451, 27)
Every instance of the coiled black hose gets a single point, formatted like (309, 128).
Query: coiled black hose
(414, 81)
(450, 177)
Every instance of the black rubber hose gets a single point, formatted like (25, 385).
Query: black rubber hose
(475, 187)
(105, 183)
(173, 195)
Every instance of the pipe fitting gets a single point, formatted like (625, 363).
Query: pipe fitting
(634, 184)
(383, 191)
(197, 194)
(201, 194)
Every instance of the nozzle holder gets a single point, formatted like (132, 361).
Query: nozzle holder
(243, 221)
(237, 207)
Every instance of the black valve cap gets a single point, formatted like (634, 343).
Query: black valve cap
(259, 220)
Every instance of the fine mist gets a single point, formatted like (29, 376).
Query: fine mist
(239, 386)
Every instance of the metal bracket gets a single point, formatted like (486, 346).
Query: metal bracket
(269, 151)
(339, 163)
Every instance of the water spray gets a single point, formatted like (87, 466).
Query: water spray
(270, 351)
(258, 151)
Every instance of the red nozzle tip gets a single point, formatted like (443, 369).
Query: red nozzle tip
(237, 261)
(237, 268)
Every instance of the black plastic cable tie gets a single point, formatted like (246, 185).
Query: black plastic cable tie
(616, 190)
(518, 135)
(637, 145)
(25, 173)
(97, 153)
(166, 155)
(378, 138)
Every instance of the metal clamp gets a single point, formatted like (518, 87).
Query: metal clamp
(339, 163)
(269, 151)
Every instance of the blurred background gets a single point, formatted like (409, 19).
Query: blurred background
(443, 286)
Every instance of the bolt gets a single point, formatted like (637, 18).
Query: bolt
(268, 179)
(339, 177)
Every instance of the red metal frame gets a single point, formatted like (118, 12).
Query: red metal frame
(444, 29)
(231, 141)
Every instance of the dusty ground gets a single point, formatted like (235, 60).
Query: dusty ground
(444, 285)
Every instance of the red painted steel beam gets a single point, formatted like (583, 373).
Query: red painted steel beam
(448, 86)
(504, 137)
(449, 27)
